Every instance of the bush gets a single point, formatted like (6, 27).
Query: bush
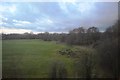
(84, 61)
(108, 56)
(58, 70)
(68, 52)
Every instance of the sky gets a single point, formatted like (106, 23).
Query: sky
(21, 17)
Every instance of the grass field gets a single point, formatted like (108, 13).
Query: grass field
(32, 58)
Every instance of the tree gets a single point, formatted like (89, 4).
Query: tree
(93, 35)
(108, 51)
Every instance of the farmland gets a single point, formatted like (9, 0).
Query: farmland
(35, 58)
(32, 58)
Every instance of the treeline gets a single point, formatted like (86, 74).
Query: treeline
(46, 36)
(78, 36)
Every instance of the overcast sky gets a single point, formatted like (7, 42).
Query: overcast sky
(23, 17)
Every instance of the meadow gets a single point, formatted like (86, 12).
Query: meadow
(32, 58)
(35, 58)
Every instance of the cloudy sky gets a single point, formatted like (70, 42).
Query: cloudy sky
(20, 17)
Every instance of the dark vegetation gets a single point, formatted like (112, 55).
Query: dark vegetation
(58, 70)
(78, 36)
(87, 63)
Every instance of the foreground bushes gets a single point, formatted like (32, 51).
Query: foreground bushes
(58, 70)
(84, 61)
(108, 57)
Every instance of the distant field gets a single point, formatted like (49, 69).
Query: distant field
(32, 58)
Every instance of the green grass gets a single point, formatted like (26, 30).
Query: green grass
(32, 58)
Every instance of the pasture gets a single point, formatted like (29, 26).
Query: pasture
(35, 58)
(32, 58)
